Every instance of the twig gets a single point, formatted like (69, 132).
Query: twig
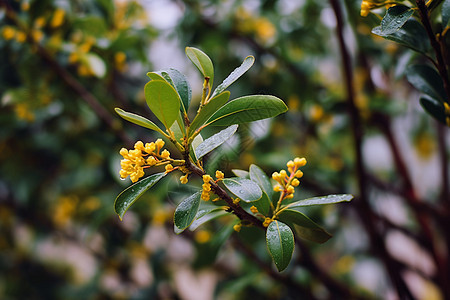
(363, 205)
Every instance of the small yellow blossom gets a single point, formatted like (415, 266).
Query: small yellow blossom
(159, 144)
(237, 227)
(206, 187)
(267, 222)
(21, 37)
(236, 201)
(219, 175)
(202, 236)
(8, 32)
(254, 209)
(206, 178)
(165, 154)
(169, 168)
(39, 22)
(150, 147)
(184, 179)
(58, 18)
(295, 182)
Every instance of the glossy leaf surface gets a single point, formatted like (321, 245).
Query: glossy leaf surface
(280, 243)
(304, 226)
(215, 141)
(258, 176)
(163, 100)
(245, 189)
(395, 18)
(322, 200)
(186, 211)
(134, 192)
(427, 80)
(247, 109)
(209, 109)
(238, 72)
(202, 62)
(138, 120)
(180, 83)
(434, 108)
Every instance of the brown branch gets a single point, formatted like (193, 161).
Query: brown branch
(364, 209)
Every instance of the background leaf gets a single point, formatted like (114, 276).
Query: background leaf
(304, 226)
(163, 100)
(186, 212)
(214, 141)
(206, 214)
(245, 189)
(247, 109)
(125, 199)
(241, 173)
(446, 13)
(238, 72)
(280, 243)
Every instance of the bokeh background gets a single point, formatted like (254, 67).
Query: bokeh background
(64, 67)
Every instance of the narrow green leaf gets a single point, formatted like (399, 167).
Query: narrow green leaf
(304, 226)
(247, 109)
(412, 35)
(434, 108)
(238, 72)
(155, 76)
(138, 120)
(134, 192)
(214, 141)
(186, 212)
(280, 242)
(205, 215)
(202, 62)
(209, 109)
(258, 176)
(195, 143)
(446, 13)
(395, 18)
(245, 189)
(241, 173)
(163, 100)
(322, 200)
(181, 85)
(427, 80)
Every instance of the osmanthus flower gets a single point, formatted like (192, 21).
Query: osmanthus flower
(144, 156)
(368, 5)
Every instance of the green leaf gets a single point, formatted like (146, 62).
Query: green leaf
(186, 212)
(241, 173)
(263, 204)
(258, 176)
(163, 100)
(207, 212)
(427, 80)
(322, 200)
(412, 35)
(181, 85)
(195, 143)
(238, 72)
(209, 109)
(280, 242)
(214, 141)
(434, 108)
(155, 76)
(245, 189)
(304, 226)
(395, 18)
(446, 13)
(134, 192)
(138, 120)
(202, 62)
(247, 109)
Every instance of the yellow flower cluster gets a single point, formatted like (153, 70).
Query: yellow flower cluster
(143, 156)
(267, 222)
(368, 5)
(206, 187)
(286, 184)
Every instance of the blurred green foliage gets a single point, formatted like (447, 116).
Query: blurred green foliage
(65, 65)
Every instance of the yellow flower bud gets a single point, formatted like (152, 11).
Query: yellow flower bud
(283, 174)
(295, 182)
(149, 147)
(159, 144)
(206, 178)
(290, 196)
(298, 174)
(165, 154)
(236, 201)
(237, 227)
(169, 168)
(184, 179)
(123, 152)
(139, 145)
(290, 189)
(290, 164)
(219, 175)
(300, 162)
(151, 161)
(277, 188)
(254, 209)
